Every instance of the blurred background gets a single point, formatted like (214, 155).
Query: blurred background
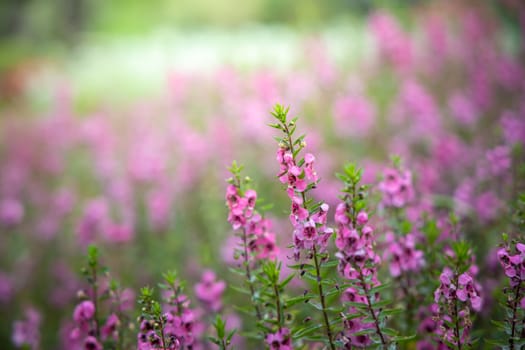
(118, 120)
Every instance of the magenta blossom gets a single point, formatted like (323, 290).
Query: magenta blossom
(84, 311)
(280, 340)
(209, 291)
(397, 188)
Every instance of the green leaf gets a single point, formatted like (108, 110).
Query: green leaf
(308, 330)
(286, 280)
(389, 331)
(390, 312)
(331, 263)
(302, 267)
(316, 305)
(400, 339)
(296, 300)
(380, 288)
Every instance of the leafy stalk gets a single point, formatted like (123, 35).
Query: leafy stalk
(295, 146)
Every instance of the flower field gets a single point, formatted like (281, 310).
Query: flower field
(330, 199)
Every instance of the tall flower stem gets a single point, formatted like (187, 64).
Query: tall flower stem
(513, 320)
(249, 274)
(317, 263)
(321, 297)
(371, 310)
(95, 301)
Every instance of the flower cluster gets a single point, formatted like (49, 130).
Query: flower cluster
(512, 258)
(242, 215)
(26, 332)
(457, 290)
(177, 331)
(310, 231)
(85, 331)
(514, 265)
(170, 326)
(297, 178)
(461, 287)
(402, 255)
(355, 244)
(358, 262)
(209, 291)
(11, 212)
(397, 188)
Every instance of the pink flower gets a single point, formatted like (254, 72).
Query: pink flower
(488, 206)
(109, 329)
(299, 213)
(91, 343)
(84, 311)
(6, 288)
(499, 160)
(463, 109)
(118, 233)
(362, 218)
(26, 332)
(394, 44)
(209, 291)
(341, 216)
(159, 209)
(403, 255)
(354, 116)
(264, 246)
(280, 340)
(11, 212)
(513, 125)
(311, 174)
(251, 197)
(397, 188)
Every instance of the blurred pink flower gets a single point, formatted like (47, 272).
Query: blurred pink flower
(209, 291)
(11, 212)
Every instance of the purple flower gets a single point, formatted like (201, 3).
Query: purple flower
(280, 340)
(397, 188)
(109, 329)
(91, 343)
(209, 291)
(11, 212)
(27, 331)
(402, 254)
(84, 311)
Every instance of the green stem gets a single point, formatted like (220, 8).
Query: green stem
(316, 260)
(249, 274)
(371, 310)
(278, 305)
(513, 320)
(456, 317)
(95, 300)
(323, 302)
(162, 333)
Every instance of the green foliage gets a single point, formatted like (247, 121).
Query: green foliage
(92, 256)
(222, 339)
